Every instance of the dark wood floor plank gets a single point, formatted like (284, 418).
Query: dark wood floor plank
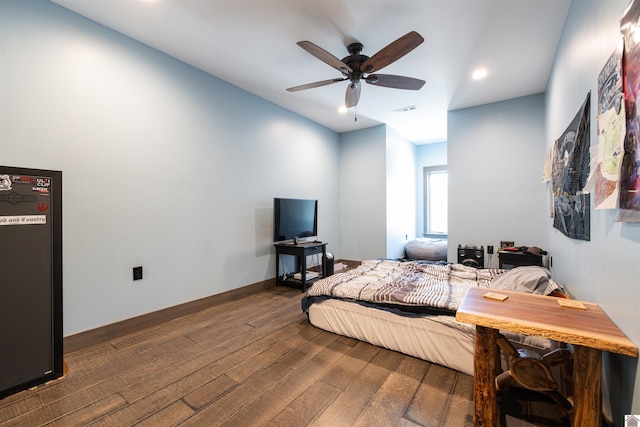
(200, 355)
(300, 355)
(395, 394)
(208, 392)
(270, 316)
(348, 341)
(305, 407)
(236, 313)
(209, 320)
(225, 406)
(253, 364)
(137, 342)
(460, 409)
(112, 360)
(345, 409)
(341, 374)
(89, 413)
(89, 354)
(112, 377)
(209, 361)
(156, 402)
(432, 398)
(168, 416)
(187, 386)
(270, 404)
(18, 404)
(406, 423)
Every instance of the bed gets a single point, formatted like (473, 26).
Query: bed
(410, 306)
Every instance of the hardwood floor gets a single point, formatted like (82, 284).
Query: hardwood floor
(252, 362)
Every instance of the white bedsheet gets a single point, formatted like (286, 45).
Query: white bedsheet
(438, 339)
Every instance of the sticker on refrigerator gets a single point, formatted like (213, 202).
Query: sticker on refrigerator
(5, 183)
(23, 219)
(14, 198)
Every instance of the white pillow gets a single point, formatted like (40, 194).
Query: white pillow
(532, 279)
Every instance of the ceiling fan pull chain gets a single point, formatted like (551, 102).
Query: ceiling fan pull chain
(355, 114)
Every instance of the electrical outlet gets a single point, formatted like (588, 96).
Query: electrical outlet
(137, 273)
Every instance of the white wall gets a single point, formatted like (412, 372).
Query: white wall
(434, 154)
(377, 193)
(163, 165)
(401, 202)
(496, 156)
(363, 216)
(605, 270)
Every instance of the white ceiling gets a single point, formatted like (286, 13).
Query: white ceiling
(252, 44)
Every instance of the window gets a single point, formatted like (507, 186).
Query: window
(435, 200)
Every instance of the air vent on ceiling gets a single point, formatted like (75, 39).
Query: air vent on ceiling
(405, 109)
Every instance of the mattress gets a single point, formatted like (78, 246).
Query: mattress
(436, 338)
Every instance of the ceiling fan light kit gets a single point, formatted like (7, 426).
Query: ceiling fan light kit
(356, 67)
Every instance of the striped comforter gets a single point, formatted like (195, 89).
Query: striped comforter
(405, 284)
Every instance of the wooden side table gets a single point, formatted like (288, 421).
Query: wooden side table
(590, 330)
(301, 251)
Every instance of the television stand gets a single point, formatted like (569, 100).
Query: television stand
(301, 251)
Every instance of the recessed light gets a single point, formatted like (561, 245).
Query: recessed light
(480, 73)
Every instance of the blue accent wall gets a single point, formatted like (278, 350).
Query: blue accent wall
(164, 166)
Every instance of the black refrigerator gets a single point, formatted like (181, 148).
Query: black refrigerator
(31, 334)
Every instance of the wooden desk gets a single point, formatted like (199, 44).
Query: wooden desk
(591, 331)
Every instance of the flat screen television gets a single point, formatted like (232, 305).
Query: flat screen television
(295, 219)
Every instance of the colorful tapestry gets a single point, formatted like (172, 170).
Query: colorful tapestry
(630, 167)
(570, 171)
(611, 132)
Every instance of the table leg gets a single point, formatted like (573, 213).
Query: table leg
(303, 271)
(324, 261)
(587, 383)
(486, 365)
(277, 267)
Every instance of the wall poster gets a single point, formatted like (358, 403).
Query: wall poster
(630, 167)
(569, 173)
(611, 132)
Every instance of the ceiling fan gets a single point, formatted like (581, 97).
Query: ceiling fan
(357, 66)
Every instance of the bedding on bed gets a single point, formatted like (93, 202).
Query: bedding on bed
(409, 307)
(423, 287)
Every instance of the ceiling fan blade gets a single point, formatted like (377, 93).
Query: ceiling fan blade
(392, 52)
(316, 84)
(396, 82)
(325, 56)
(352, 96)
